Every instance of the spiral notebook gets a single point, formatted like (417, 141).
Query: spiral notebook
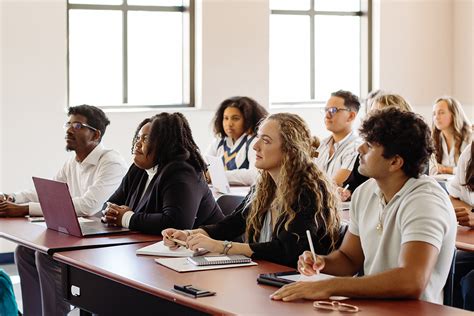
(217, 260)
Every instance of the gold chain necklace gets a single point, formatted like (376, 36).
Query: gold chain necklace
(379, 226)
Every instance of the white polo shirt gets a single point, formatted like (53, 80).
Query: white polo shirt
(91, 182)
(420, 211)
(455, 186)
(344, 156)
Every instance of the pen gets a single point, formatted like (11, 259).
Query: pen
(311, 247)
(345, 188)
(179, 242)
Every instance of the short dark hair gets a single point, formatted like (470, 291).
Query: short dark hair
(171, 139)
(95, 116)
(400, 133)
(252, 112)
(351, 101)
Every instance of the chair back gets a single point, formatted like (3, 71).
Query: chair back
(448, 298)
(228, 203)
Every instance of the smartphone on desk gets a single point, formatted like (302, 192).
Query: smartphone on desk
(276, 279)
(192, 291)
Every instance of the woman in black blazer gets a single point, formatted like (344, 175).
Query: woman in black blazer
(165, 186)
(291, 196)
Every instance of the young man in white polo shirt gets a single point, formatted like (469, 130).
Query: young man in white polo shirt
(338, 152)
(403, 228)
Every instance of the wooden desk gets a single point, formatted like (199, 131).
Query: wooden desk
(465, 238)
(39, 238)
(115, 281)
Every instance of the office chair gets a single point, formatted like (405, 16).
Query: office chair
(228, 203)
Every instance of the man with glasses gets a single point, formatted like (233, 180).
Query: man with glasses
(338, 152)
(92, 175)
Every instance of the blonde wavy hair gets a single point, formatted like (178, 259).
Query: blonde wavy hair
(297, 173)
(393, 100)
(461, 126)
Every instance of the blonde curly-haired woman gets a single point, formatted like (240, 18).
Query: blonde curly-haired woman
(291, 196)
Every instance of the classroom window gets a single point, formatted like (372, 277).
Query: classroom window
(318, 47)
(129, 53)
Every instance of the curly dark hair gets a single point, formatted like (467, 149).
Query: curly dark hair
(170, 139)
(400, 133)
(351, 101)
(95, 116)
(252, 111)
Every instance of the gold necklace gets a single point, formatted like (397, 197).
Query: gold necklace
(379, 226)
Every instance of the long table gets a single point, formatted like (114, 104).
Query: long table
(39, 238)
(465, 238)
(116, 281)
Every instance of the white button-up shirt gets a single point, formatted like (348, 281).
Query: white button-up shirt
(455, 186)
(344, 156)
(91, 182)
(448, 159)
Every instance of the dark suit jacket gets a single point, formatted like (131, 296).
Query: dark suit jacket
(355, 178)
(177, 197)
(286, 245)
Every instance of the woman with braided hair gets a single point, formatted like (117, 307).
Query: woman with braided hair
(165, 186)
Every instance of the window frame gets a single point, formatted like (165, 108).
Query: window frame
(188, 45)
(365, 14)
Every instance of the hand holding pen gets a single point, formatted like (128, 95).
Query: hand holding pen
(344, 193)
(174, 238)
(309, 263)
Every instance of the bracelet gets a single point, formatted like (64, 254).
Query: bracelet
(227, 245)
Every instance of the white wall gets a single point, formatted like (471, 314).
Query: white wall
(463, 59)
(423, 49)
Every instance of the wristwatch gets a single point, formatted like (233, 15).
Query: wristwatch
(227, 245)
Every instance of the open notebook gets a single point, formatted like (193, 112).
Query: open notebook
(159, 249)
(184, 265)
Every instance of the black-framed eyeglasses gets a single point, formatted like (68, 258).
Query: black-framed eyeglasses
(78, 125)
(333, 110)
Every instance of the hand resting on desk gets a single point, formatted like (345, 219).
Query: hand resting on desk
(10, 209)
(113, 214)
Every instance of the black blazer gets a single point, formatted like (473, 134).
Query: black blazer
(177, 196)
(285, 246)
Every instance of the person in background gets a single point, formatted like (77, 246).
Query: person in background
(461, 192)
(403, 228)
(291, 196)
(338, 152)
(380, 101)
(235, 125)
(165, 186)
(92, 174)
(451, 132)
